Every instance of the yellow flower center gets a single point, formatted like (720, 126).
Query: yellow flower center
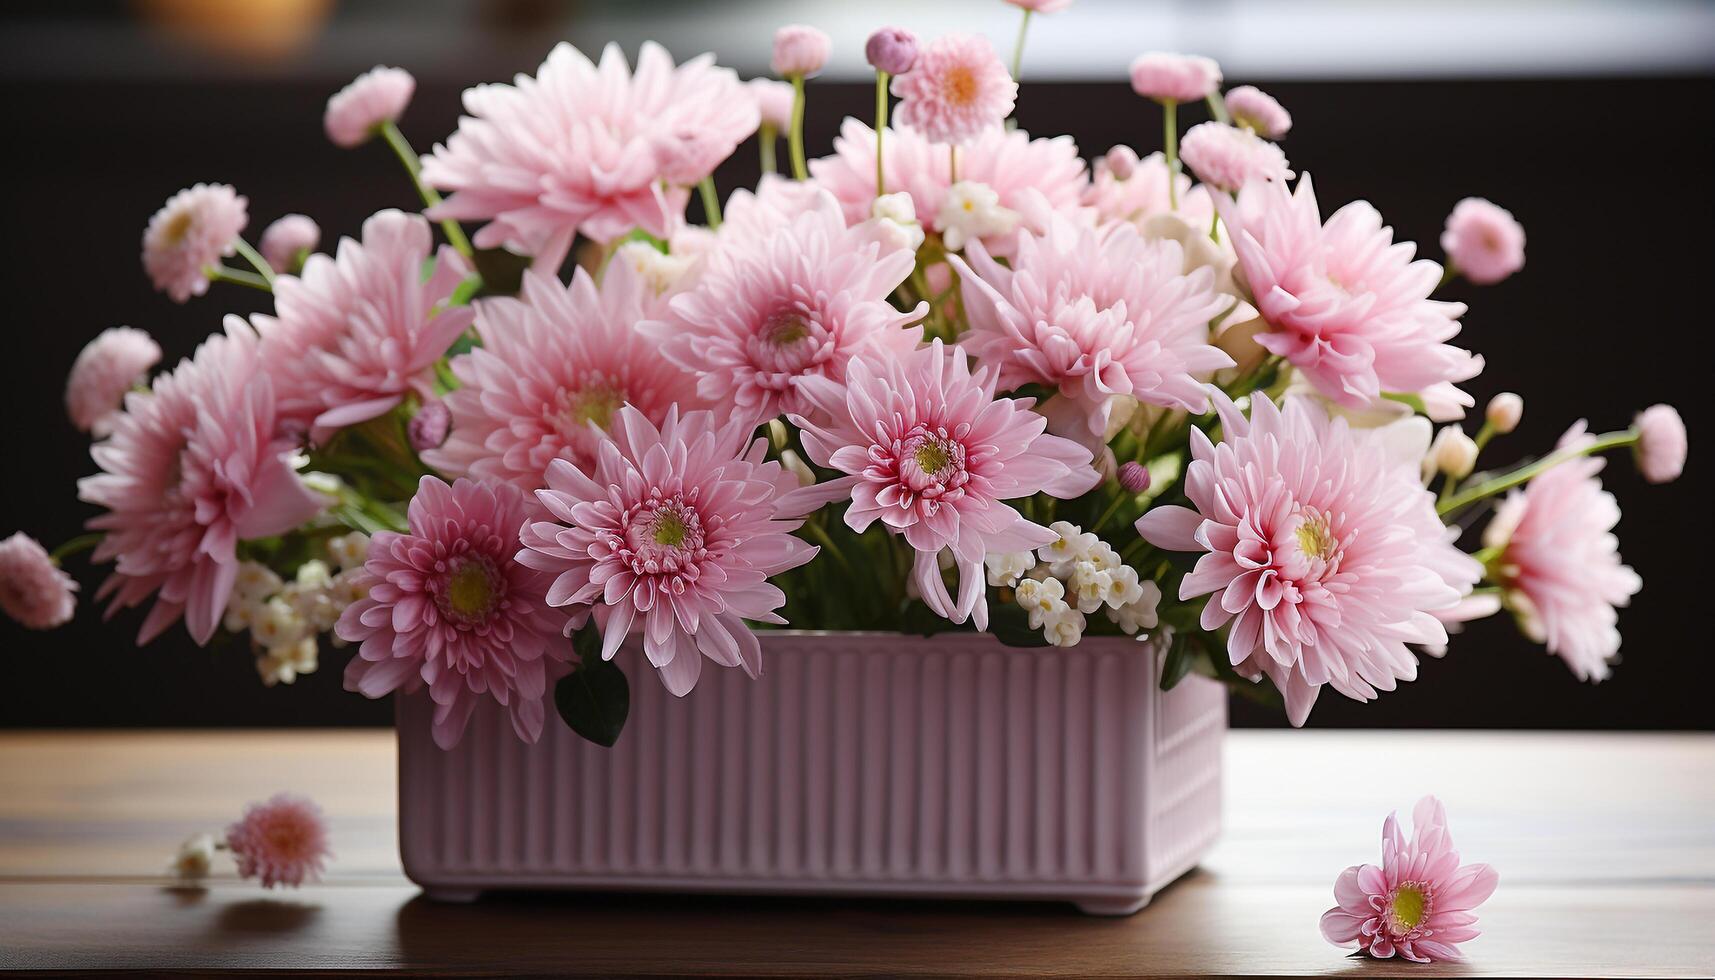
(1408, 907)
(593, 403)
(787, 329)
(1315, 539)
(469, 591)
(669, 528)
(960, 85)
(932, 458)
(178, 226)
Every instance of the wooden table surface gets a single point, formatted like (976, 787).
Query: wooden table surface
(1605, 846)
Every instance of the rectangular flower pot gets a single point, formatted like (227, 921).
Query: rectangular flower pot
(857, 764)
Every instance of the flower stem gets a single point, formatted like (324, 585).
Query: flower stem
(880, 126)
(414, 167)
(1448, 275)
(1170, 139)
(81, 543)
(1218, 107)
(711, 202)
(255, 259)
(952, 163)
(795, 137)
(1018, 46)
(238, 277)
(766, 138)
(1506, 481)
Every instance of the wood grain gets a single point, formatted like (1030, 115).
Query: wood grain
(1605, 845)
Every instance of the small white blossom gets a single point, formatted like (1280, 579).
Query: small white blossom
(973, 210)
(794, 464)
(894, 220)
(1005, 568)
(1090, 586)
(195, 856)
(314, 574)
(255, 581)
(1126, 588)
(323, 483)
(349, 550)
(1041, 599)
(282, 664)
(1453, 453)
(1104, 557)
(1141, 613)
(1064, 628)
(278, 624)
(1072, 546)
(655, 269)
(348, 587)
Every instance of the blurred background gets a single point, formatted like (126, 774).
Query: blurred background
(1589, 119)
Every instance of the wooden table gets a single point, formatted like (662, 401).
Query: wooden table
(1605, 846)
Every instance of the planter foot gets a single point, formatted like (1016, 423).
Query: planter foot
(453, 896)
(1113, 906)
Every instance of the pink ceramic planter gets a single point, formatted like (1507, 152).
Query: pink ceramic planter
(858, 764)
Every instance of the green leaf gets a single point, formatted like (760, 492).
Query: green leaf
(1011, 625)
(595, 698)
(1179, 660)
(502, 271)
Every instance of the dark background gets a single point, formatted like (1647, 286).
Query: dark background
(1610, 174)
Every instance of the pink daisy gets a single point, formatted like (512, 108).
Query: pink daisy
(1258, 112)
(112, 364)
(1322, 549)
(194, 230)
(193, 466)
(1559, 562)
(571, 150)
(282, 841)
(675, 532)
(1483, 241)
(377, 96)
(553, 369)
(1167, 77)
(1418, 902)
(1098, 315)
(1662, 443)
(1010, 163)
(33, 590)
(956, 89)
(288, 241)
(355, 333)
(929, 450)
(777, 309)
(1344, 304)
(450, 606)
(1227, 157)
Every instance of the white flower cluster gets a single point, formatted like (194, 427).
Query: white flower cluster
(1073, 576)
(284, 618)
(973, 210)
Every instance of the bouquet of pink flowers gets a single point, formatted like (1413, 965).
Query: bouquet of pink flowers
(946, 377)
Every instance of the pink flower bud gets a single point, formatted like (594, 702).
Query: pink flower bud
(800, 50)
(1258, 111)
(428, 428)
(1168, 77)
(1041, 6)
(1121, 162)
(1134, 476)
(1483, 241)
(285, 242)
(1662, 443)
(892, 50)
(1504, 412)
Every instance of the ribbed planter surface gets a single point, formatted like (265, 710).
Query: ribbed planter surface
(858, 764)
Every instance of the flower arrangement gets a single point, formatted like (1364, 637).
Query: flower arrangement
(948, 376)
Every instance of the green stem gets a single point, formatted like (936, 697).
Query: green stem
(1484, 434)
(1018, 46)
(81, 543)
(1120, 496)
(765, 148)
(711, 202)
(238, 277)
(820, 533)
(414, 167)
(1448, 275)
(1506, 481)
(795, 137)
(1170, 137)
(256, 260)
(1218, 107)
(880, 126)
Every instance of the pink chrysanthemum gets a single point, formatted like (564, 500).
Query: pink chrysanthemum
(1344, 304)
(194, 230)
(571, 150)
(956, 90)
(288, 241)
(1559, 563)
(1010, 163)
(33, 590)
(282, 841)
(676, 532)
(1323, 549)
(1418, 902)
(773, 101)
(1168, 77)
(1258, 111)
(108, 366)
(1142, 193)
(553, 368)
(355, 333)
(449, 605)
(1100, 315)
(193, 466)
(1662, 443)
(1227, 157)
(1483, 241)
(377, 96)
(930, 451)
(777, 309)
